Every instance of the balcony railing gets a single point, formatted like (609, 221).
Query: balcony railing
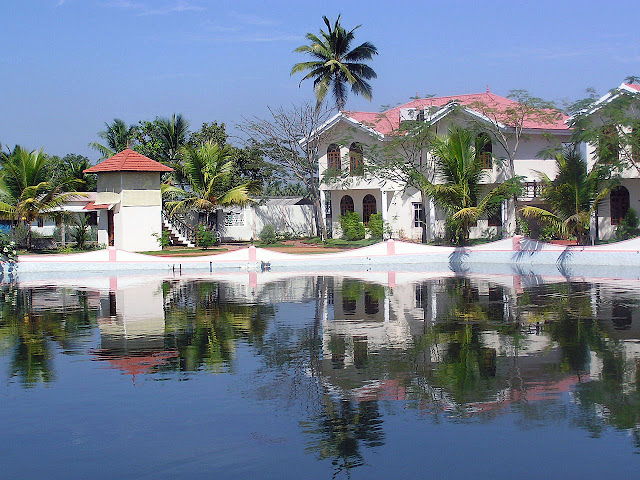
(532, 190)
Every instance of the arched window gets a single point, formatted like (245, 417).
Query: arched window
(484, 150)
(333, 157)
(349, 306)
(621, 317)
(371, 304)
(346, 205)
(368, 208)
(619, 203)
(356, 166)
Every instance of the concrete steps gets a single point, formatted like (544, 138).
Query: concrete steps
(176, 237)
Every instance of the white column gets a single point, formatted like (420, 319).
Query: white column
(323, 206)
(387, 309)
(431, 209)
(383, 207)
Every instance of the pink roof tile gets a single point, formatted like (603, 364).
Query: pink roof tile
(386, 122)
(634, 86)
(129, 161)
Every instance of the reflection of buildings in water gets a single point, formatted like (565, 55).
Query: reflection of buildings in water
(618, 315)
(132, 328)
(62, 299)
(370, 335)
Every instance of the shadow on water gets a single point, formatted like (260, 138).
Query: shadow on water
(457, 260)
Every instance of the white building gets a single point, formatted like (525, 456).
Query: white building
(74, 207)
(291, 215)
(352, 138)
(128, 201)
(612, 210)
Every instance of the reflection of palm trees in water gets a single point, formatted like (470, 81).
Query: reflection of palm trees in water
(341, 429)
(343, 426)
(31, 332)
(204, 327)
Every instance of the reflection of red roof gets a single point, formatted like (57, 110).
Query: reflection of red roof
(128, 161)
(390, 389)
(137, 364)
(387, 122)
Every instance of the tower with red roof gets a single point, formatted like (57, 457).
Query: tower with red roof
(129, 202)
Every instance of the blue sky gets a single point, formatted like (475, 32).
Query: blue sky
(68, 66)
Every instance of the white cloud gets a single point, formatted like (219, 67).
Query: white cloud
(143, 9)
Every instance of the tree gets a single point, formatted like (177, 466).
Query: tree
(291, 139)
(209, 132)
(461, 172)
(572, 195)
(507, 125)
(70, 170)
(172, 133)
(405, 159)
(27, 191)
(335, 66)
(116, 136)
(208, 172)
(147, 139)
(612, 128)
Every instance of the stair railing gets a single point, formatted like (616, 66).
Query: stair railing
(184, 229)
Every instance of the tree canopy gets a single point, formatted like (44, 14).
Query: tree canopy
(335, 65)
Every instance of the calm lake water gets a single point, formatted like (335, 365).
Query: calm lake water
(377, 375)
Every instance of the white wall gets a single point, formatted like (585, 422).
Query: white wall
(605, 229)
(294, 219)
(135, 227)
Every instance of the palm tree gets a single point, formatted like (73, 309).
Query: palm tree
(117, 137)
(573, 195)
(460, 169)
(173, 134)
(73, 167)
(26, 190)
(335, 65)
(207, 171)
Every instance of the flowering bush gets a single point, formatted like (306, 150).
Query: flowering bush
(8, 251)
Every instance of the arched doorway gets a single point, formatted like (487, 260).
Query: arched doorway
(619, 204)
(346, 205)
(368, 208)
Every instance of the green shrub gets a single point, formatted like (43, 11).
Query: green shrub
(205, 237)
(81, 231)
(268, 234)
(19, 234)
(352, 227)
(376, 225)
(629, 226)
(164, 239)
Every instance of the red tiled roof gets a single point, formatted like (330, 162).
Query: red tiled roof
(128, 161)
(94, 206)
(634, 86)
(387, 122)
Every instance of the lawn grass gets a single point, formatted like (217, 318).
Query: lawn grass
(58, 251)
(340, 243)
(186, 252)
